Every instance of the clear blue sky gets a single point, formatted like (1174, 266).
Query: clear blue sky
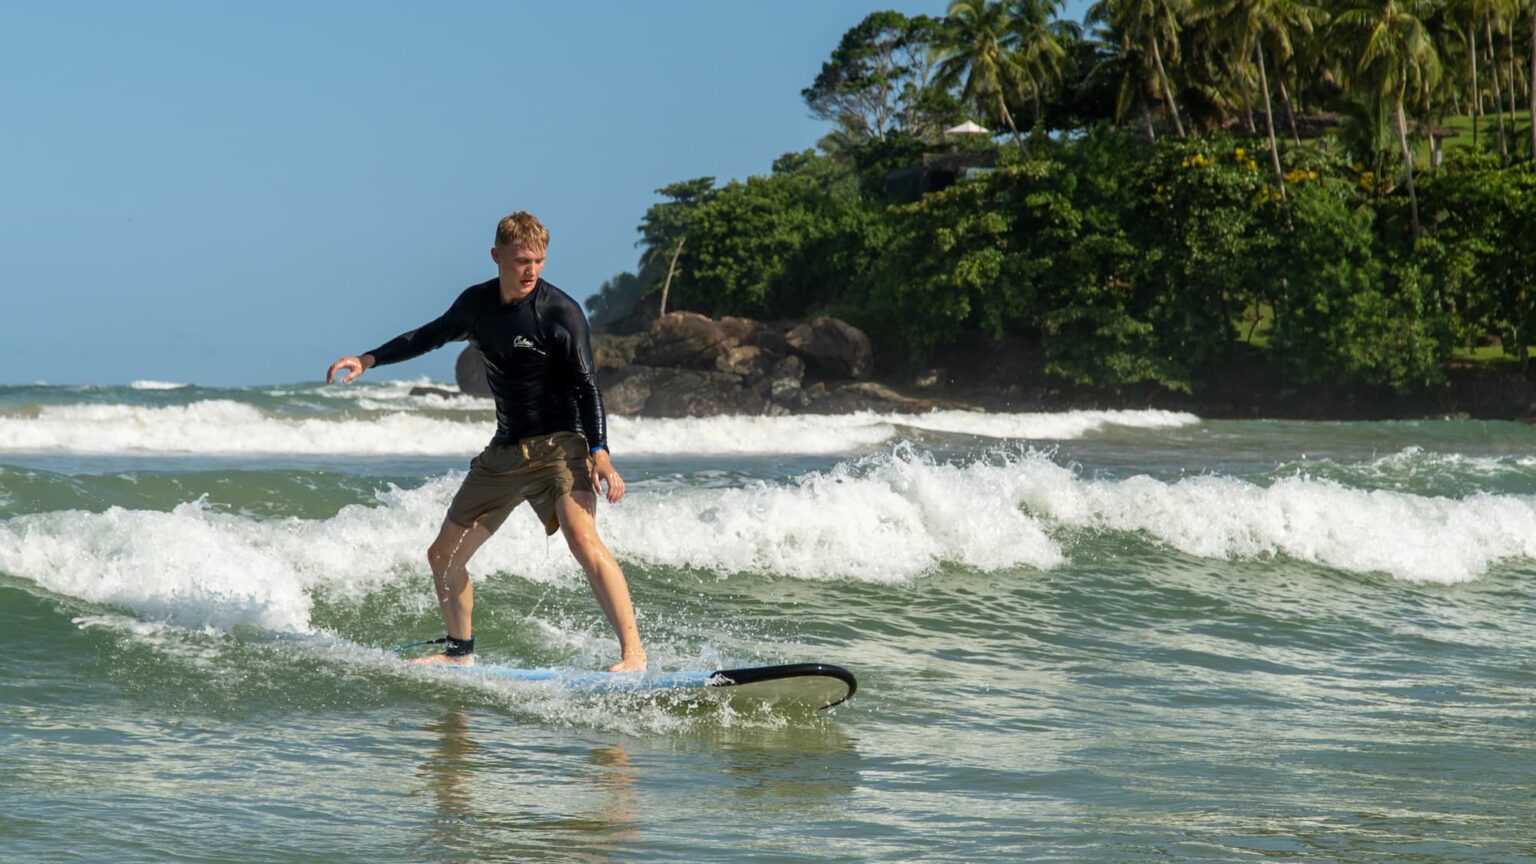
(224, 193)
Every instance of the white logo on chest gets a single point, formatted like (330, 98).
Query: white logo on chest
(525, 342)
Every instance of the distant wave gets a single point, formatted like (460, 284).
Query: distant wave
(222, 426)
(156, 385)
(885, 518)
(1423, 471)
(225, 426)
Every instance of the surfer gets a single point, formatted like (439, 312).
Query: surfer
(551, 442)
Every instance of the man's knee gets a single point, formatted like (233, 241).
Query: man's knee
(583, 542)
(441, 553)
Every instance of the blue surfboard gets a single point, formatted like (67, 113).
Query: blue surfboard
(820, 685)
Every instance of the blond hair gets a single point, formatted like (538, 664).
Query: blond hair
(521, 229)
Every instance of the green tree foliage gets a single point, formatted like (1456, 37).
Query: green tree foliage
(668, 222)
(618, 297)
(1205, 218)
(1481, 253)
(777, 245)
(1133, 262)
(877, 82)
(949, 265)
(1132, 265)
(1095, 307)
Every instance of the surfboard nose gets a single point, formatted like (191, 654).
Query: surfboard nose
(820, 684)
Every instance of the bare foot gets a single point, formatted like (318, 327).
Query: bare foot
(465, 660)
(631, 663)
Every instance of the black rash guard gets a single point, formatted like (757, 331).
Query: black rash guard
(538, 359)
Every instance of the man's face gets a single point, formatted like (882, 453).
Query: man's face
(523, 263)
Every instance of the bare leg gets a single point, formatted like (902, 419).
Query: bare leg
(578, 522)
(447, 555)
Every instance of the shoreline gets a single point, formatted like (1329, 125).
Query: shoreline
(1015, 381)
(692, 366)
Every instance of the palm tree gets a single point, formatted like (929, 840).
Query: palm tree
(1041, 50)
(1512, 8)
(1367, 134)
(978, 42)
(1437, 98)
(1248, 24)
(1467, 14)
(1494, 11)
(1396, 56)
(1124, 69)
(1146, 25)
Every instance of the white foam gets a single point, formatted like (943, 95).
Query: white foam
(1416, 462)
(224, 426)
(721, 436)
(1412, 537)
(188, 567)
(1058, 426)
(881, 519)
(885, 520)
(156, 385)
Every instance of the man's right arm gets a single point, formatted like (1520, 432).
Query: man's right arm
(451, 325)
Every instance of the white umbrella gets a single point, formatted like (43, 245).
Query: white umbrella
(967, 128)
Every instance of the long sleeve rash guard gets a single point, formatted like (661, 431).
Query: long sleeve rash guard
(538, 359)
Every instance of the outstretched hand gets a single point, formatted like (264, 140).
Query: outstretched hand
(604, 472)
(354, 367)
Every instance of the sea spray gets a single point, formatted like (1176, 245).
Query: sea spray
(885, 518)
(188, 567)
(1432, 539)
(1424, 472)
(156, 385)
(228, 426)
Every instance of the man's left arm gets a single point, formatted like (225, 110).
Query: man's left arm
(589, 400)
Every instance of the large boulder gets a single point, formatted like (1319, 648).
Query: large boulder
(742, 360)
(781, 384)
(740, 329)
(862, 396)
(668, 392)
(469, 373)
(626, 390)
(789, 368)
(833, 347)
(703, 394)
(683, 339)
(613, 352)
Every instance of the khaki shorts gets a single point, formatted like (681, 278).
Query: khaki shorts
(537, 470)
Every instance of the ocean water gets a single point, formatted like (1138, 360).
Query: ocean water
(1088, 636)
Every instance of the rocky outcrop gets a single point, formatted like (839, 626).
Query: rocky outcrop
(688, 365)
(835, 347)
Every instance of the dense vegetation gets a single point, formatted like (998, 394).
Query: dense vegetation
(1156, 211)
